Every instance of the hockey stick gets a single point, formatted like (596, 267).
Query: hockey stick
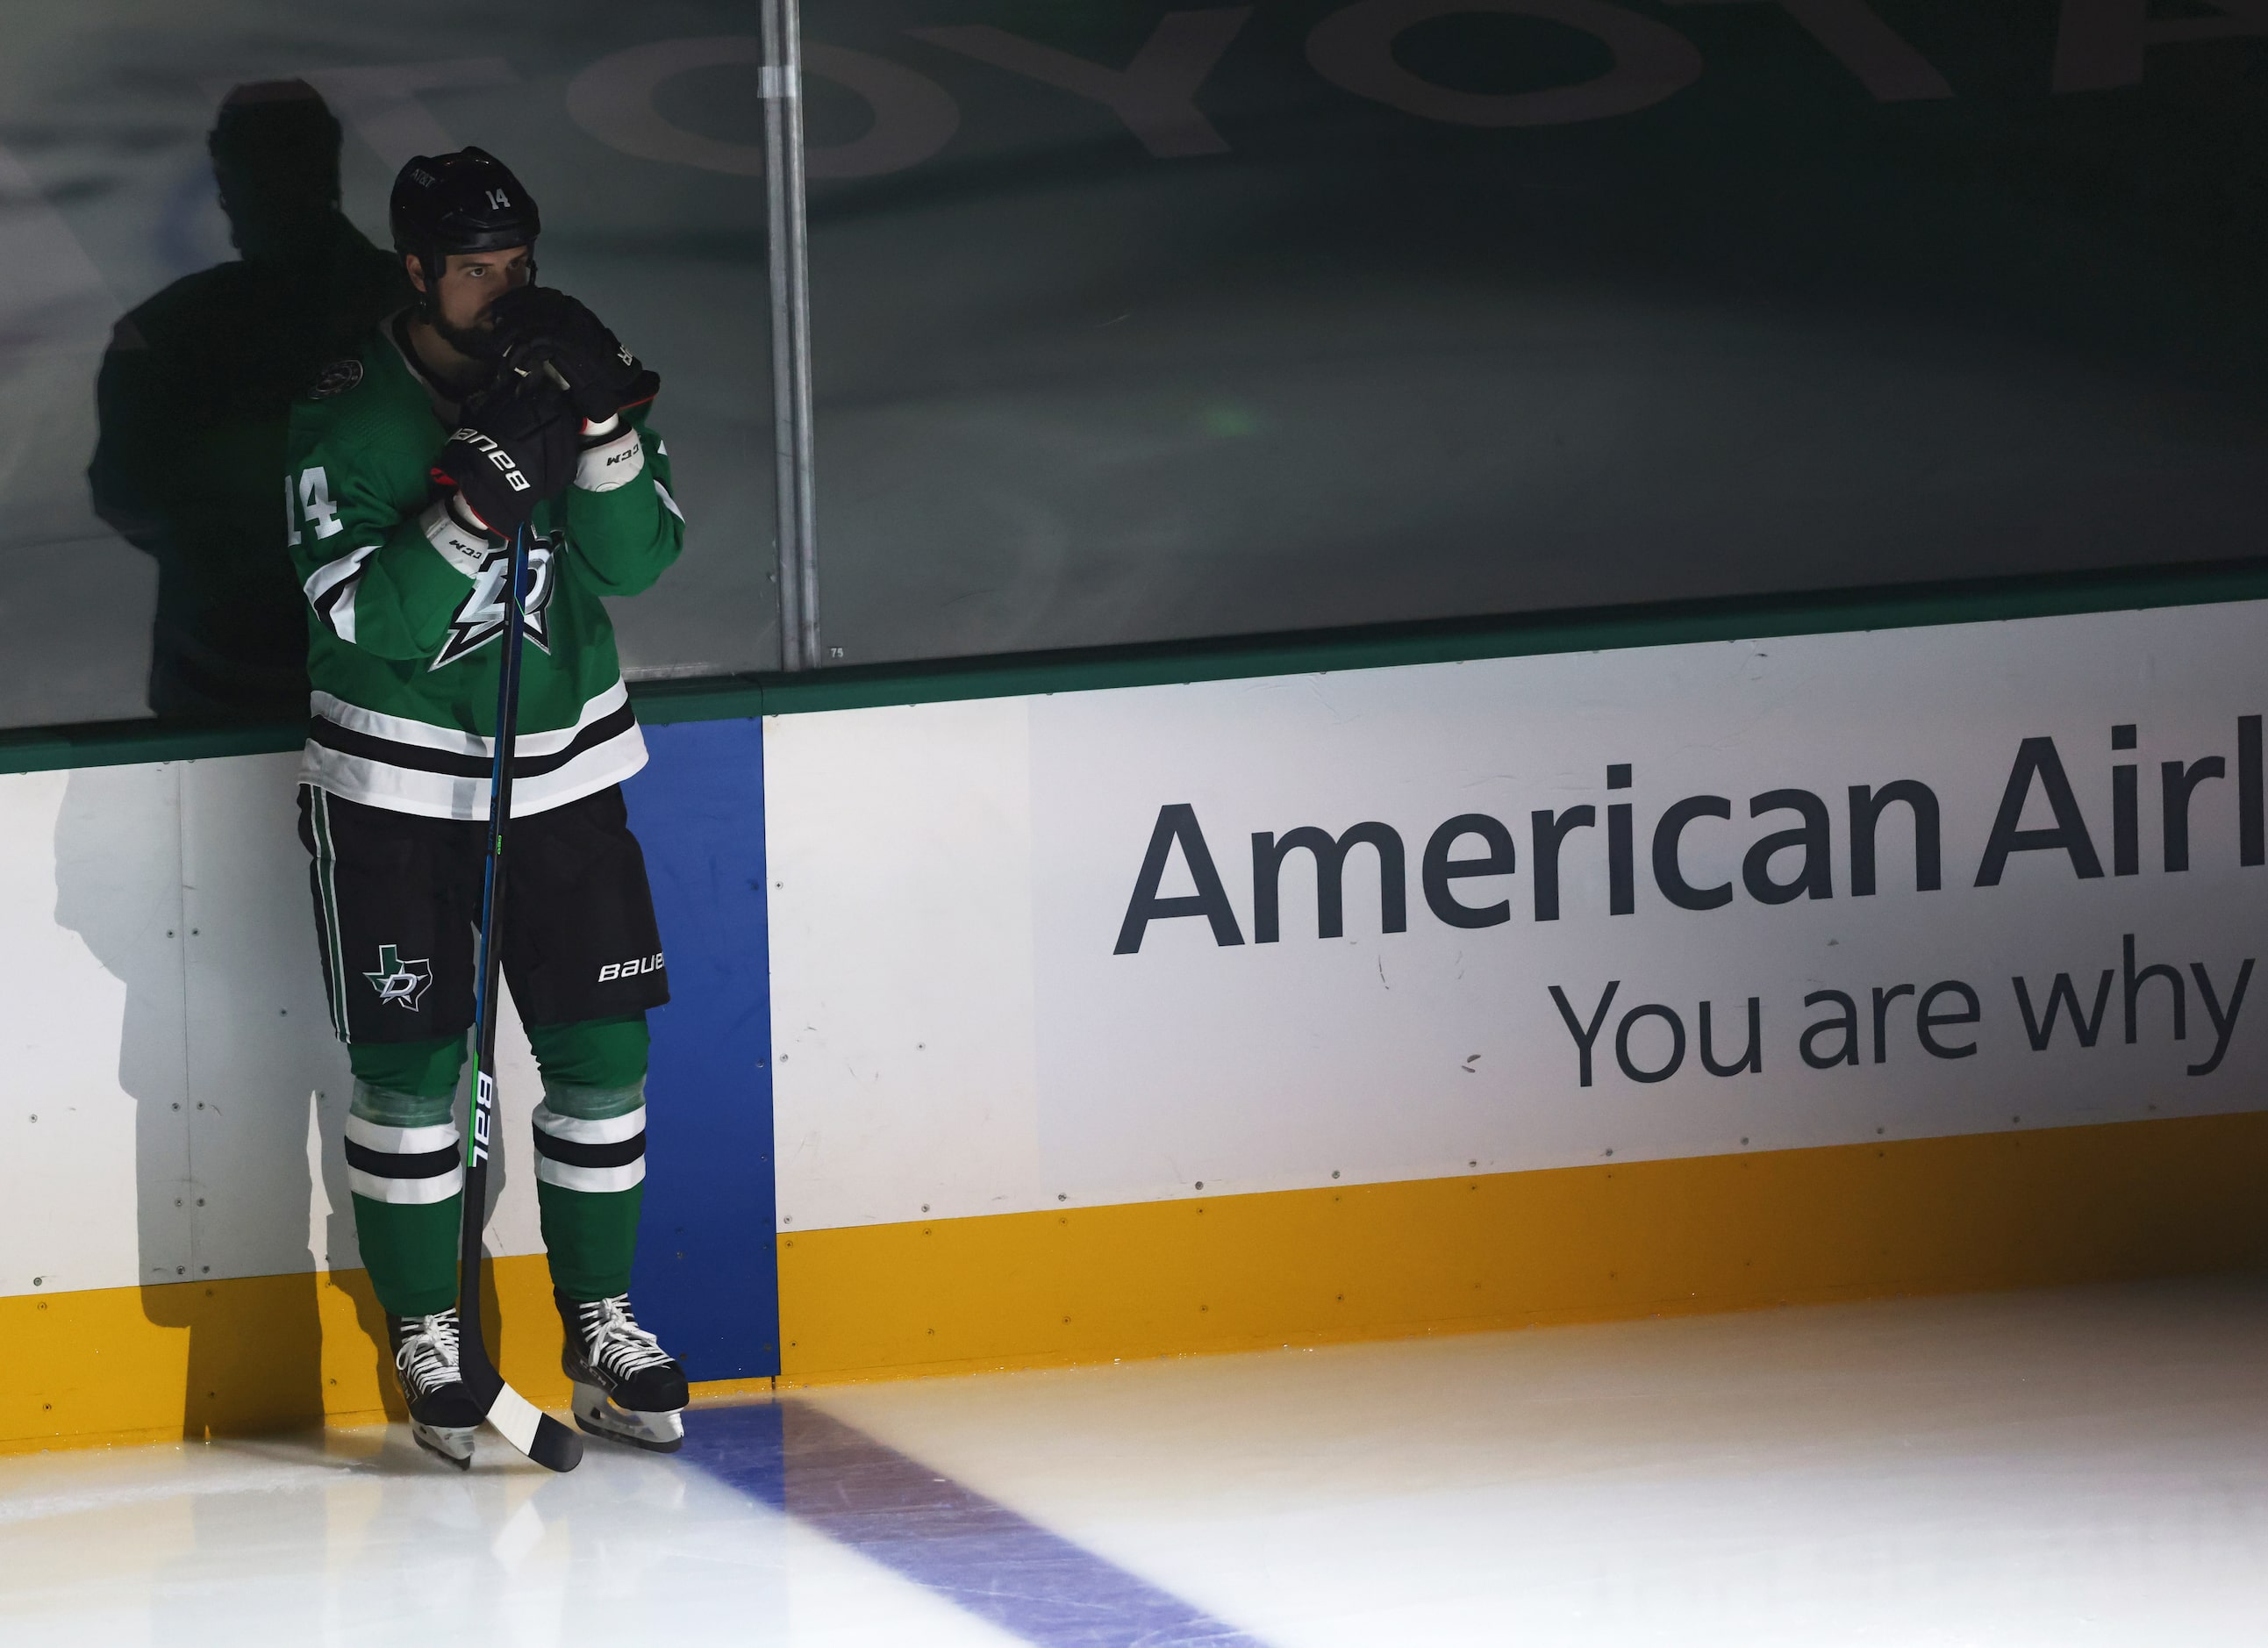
(526, 1426)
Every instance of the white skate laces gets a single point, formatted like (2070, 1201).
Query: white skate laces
(427, 1359)
(613, 1342)
(626, 1386)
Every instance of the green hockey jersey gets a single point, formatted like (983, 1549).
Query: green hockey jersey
(406, 608)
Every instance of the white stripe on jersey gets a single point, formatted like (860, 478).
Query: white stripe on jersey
(401, 730)
(405, 789)
(344, 576)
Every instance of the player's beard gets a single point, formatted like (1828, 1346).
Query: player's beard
(475, 343)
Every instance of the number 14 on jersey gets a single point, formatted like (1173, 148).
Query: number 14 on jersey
(307, 499)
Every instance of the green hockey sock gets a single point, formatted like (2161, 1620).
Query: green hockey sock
(406, 1167)
(590, 1150)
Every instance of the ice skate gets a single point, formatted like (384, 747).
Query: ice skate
(442, 1413)
(627, 1387)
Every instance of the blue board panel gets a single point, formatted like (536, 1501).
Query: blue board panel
(706, 1279)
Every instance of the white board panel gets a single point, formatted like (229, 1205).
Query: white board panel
(1438, 1048)
(262, 1055)
(263, 1064)
(164, 1021)
(95, 1192)
(900, 853)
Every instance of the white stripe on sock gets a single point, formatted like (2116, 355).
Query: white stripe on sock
(568, 1176)
(575, 1130)
(414, 1193)
(373, 1136)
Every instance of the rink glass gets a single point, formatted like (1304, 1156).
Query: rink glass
(1402, 313)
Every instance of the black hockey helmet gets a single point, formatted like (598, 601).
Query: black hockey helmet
(465, 202)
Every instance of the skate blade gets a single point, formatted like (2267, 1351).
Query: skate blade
(597, 1413)
(452, 1444)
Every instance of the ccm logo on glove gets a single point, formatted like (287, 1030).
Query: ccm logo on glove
(615, 970)
(495, 455)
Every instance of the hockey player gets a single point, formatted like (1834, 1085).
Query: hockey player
(412, 464)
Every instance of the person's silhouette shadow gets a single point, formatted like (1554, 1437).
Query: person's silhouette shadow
(224, 1044)
(193, 402)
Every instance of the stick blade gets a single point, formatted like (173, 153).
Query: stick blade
(555, 1446)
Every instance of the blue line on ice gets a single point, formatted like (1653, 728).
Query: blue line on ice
(970, 1550)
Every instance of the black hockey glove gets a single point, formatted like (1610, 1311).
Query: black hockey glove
(539, 324)
(515, 446)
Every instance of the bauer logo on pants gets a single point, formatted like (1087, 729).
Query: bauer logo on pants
(615, 970)
(399, 981)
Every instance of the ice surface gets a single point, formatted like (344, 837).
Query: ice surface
(2072, 1467)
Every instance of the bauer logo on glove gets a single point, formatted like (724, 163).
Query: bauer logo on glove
(515, 449)
(496, 455)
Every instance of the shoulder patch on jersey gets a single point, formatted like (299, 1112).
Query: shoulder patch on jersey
(336, 379)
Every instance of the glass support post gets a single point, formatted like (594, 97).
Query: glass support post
(790, 296)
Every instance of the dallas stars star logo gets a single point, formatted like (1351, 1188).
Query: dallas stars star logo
(399, 981)
(482, 618)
